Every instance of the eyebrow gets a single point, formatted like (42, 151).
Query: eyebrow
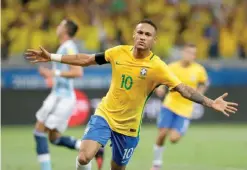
(149, 33)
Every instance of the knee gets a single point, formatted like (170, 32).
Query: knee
(175, 136)
(40, 127)
(83, 159)
(53, 136)
(174, 139)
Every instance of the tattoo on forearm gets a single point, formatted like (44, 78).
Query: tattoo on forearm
(191, 94)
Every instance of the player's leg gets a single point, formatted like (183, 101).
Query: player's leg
(95, 136)
(179, 127)
(57, 123)
(42, 148)
(88, 150)
(57, 139)
(164, 123)
(122, 149)
(40, 135)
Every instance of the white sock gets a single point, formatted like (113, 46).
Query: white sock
(158, 154)
(78, 144)
(83, 167)
(45, 161)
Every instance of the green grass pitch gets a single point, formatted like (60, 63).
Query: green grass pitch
(204, 147)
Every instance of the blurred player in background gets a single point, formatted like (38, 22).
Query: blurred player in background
(53, 116)
(174, 118)
(136, 72)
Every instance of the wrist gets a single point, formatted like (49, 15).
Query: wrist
(56, 57)
(208, 102)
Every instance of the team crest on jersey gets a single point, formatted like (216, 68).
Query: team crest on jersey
(143, 73)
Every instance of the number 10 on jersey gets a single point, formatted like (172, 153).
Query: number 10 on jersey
(127, 82)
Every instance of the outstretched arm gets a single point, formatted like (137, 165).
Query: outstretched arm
(42, 55)
(218, 104)
(193, 95)
(77, 59)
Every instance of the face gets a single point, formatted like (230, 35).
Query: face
(144, 36)
(61, 28)
(189, 54)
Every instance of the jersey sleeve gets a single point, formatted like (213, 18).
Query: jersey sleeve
(166, 77)
(203, 77)
(111, 53)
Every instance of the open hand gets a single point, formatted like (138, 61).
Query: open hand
(35, 56)
(223, 106)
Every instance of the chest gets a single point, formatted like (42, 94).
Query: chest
(133, 74)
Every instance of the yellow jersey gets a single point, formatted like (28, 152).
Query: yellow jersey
(192, 76)
(133, 81)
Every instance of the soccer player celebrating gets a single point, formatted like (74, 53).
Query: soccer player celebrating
(176, 111)
(136, 72)
(53, 116)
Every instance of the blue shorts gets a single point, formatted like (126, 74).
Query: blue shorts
(122, 146)
(171, 120)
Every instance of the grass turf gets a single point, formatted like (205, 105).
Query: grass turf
(204, 147)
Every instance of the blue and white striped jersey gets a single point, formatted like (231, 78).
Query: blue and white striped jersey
(62, 86)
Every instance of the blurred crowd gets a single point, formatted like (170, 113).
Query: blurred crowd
(217, 28)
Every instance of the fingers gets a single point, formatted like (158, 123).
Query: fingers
(30, 57)
(225, 113)
(37, 61)
(34, 61)
(232, 108)
(33, 51)
(231, 104)
(29, 54)
(224, 95)
(230, 111)
(42, 49)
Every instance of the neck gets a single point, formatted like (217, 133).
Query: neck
(64, 38)
(140, 53)
(185, 63)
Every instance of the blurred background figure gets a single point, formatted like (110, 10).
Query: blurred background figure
(218, 28)
(52, 117)
(176, 112)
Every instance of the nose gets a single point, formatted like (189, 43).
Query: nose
(142, 37)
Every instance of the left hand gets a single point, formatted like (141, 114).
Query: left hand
(223, 106)
(45, 72)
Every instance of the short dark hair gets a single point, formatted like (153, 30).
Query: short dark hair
(71, 27)
(190, 45)
(150, 22)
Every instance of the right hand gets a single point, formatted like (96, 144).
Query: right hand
(36, 56)
(45, 72)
